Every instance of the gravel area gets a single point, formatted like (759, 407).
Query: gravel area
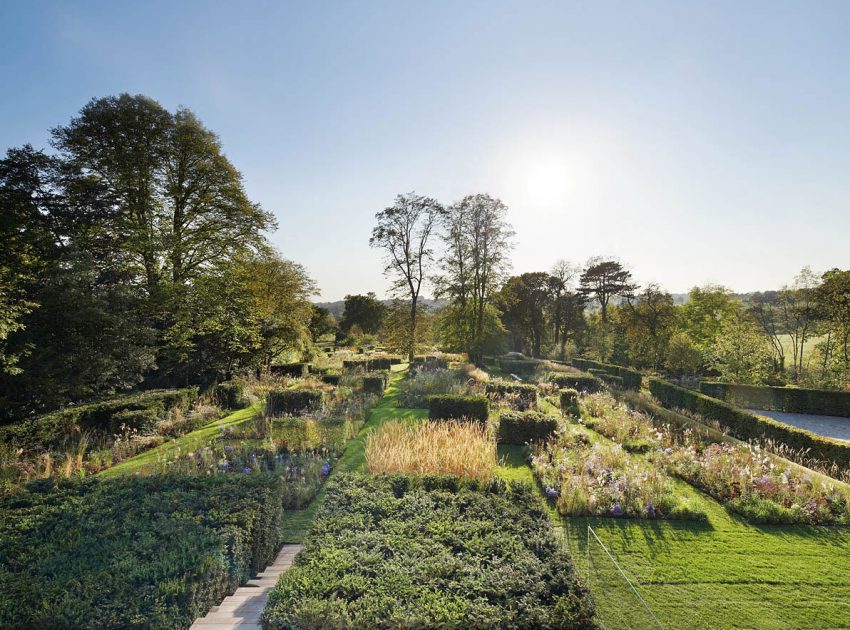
(829, 426)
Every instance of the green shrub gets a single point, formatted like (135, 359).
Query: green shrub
(100, 418)
(610, 379)
(230, 395)
(521, 427)
(428, 364)
(371, 364)
(518, 366)
(293, 370)
(749, 426)
(450, 407)
(152, 552)
(293, 402)
(569, 403)
(142, 421)
(393, 552)
(525, 392)
(584, 382)
(632, 379)
(791, 399)
(331, 379)
(375, 383)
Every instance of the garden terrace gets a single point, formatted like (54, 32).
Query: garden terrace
(398, 551)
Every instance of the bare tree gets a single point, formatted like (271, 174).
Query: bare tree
(403, 232)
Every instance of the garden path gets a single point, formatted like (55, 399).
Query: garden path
(828, 426)
(243, 609)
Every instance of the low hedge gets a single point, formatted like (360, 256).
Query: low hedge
(749, 426)
(569, 403)
(331, 379)
(583, 382)
(293, 402)
(371, 364)
(518, 366)
(375, 383)
(631, 378)
(100, 418)
(230, 395)
(791, 399)
(526, 392)
(293, 370)
(428, 364)
(131, 552)
(522, 427)
(402, 552)
(610, 379)
(452, 407)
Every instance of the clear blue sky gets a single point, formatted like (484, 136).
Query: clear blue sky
(699, 143)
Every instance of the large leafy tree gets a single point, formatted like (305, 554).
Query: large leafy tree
(403, 232)
(524, 301)
(649, 321)
(366, 312)
(602, 280)
(833, 300)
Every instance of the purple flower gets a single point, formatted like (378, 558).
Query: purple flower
(246, 470)
(650, 510)
(223, 466)
(326, 469)
(552, 493)
(617, 510)
(228, 449)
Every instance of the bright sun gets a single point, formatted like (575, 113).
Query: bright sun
(545, 182)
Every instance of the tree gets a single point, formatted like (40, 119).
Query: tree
(403, 232)
(322, 322)
(648, 322)
(603, 280)
(477, 238)
(523, 301)
(395, 333)
(799, 314)
(742, 353)
(560, 277)
(363, 311)
(833, 302)
(683, 357)
(764, 308)
(704, 315)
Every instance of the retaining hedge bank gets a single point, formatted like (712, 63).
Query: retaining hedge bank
(791, 399)
(132, 552)
(631, 378)
(749, 426)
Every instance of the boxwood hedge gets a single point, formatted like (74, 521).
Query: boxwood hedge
(454, 407)
(293, 402)
(569, 403)
(631, 378)
(375, 383)
(583, 382)
(132, 552)
(747, 426)
(791, 399)
(518, 366)
(525, 392)
(294, 370)
(398, 552)
(521, 427)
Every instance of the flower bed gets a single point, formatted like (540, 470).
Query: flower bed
(402, 552)
(417, 387)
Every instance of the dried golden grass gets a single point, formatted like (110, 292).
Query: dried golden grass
(432, 448)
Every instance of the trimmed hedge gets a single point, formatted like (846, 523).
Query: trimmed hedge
(582, 382)
(102, 418)
(293, 402)
(521, 427)
(428, 364)
(230, 395)
(293, 370)
(524, 391)
(331, 379)
(451, 407)
(569, 403)
(518, 366)
(373, 364)
(631, 378)
(375, 383)
(402, 552)
(153, 552)
(791, 399)
(616, 381)
(749, 426)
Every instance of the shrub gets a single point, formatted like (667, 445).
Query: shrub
(615, 381)
(431, 552)
(293, 370)
(518, 366)
(450, 407)
(432, 448)
(293, 402)
(230, 395)
(375, 383)
(525, 392)
(790, 399)
(331, 379)
(749, 426)
(569, 403)
(141, 421)
(522, 427)
(426, 364)
(371, 364)
(583, 382)
(134, 551)
(418, 386)
(632, 379)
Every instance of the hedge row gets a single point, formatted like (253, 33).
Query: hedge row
(293, 370)
(521, 427)
(293, 402)
(523, 391)
(230, 395)
(631, 378)
(376, 383)
(569, 403)
(518, 366)
(140, 411)
(795, 400)
(371, 364)
(583, 382)
(372, 560)
(748, 426)
(451, 407)
(428, 363)
(331, 379)
(132, 552)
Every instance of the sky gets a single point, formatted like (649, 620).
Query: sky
(697, 142)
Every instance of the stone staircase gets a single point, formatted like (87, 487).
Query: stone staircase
(243, 609)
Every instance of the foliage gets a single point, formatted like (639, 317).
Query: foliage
(683, 357)
(415, 390)
(790, 399)
(522, 427)
(293, 402)
(581, 381)
(292, 370)
(632, 379)
(451, 407)
(705, 313)
(568, 402)
(396, 551)
(230, 395)
(454, 448)
(375, 383)
(648, 323)
(519, 396)
(742, 353)
(152, 552)
(365, 312)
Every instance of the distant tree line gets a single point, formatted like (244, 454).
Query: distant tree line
(133, 257)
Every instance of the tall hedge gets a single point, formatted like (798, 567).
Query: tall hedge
(521, 427)
(749, 426)
(451, 407)
(791, 399)
(631, 378)
(291, 402)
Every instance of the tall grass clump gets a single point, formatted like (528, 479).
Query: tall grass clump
(461, 449)
(416, 389)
